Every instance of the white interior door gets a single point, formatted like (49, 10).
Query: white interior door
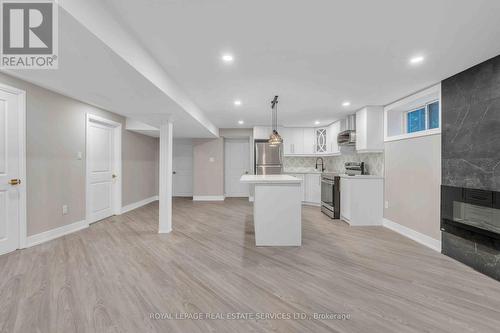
(103, 169)
(237, 163)
(10, 172)
(182, 166)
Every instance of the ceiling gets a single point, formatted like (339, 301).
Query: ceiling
(314, 54)
(93, 72)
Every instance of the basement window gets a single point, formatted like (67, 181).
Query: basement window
(423, 118)
(414, 116)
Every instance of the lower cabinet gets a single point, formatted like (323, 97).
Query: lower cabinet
(311, 187)
(302, 185)
(361, 200)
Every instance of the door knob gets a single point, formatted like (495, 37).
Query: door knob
(114, 176)
(15, 181)
(174, 172)
(246, 172)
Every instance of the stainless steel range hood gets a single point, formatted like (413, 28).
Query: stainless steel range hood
(347, 137)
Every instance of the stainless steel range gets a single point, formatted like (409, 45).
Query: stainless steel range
(330, 194)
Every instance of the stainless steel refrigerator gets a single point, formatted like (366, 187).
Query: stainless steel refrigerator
(268, 158)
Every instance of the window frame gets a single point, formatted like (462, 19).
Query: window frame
(426, 118)
(394, 112)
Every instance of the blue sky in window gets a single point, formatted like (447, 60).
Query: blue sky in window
(416, 120)
(433, 115)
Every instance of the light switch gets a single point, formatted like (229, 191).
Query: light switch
(386, 204)
(65, 209)
(79, 155)
(211, 160)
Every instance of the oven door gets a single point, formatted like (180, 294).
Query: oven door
(327, 188)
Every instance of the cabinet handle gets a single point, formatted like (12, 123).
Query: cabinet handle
(15, 181)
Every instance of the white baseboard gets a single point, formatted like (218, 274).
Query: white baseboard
(138, 204)
(208, 198)
(56, 233)
(412, 234)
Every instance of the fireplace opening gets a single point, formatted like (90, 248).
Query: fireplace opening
(470, 209)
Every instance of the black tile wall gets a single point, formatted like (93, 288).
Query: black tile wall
(470, 104)
(471, 127)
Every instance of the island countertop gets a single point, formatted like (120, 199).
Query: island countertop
(270, 179)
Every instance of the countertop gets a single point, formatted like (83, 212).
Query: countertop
(361, 177)
(270, 179)
(300, 170)
(341, 174)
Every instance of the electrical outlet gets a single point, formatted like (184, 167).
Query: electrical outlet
(386, 204)
(65, 209)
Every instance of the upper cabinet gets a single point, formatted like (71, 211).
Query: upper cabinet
(331, 138)
(293, 140)
(304, 141)
(261, 132)
(309, 141)
(370, 129)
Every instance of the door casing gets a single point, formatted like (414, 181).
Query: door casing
(23, 228)
(117, 159)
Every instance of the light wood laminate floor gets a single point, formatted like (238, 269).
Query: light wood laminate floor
(112, 276)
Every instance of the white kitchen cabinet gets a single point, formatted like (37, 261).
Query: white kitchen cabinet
(370, 129)
(301, 176)
(361, 200)
(345, 199)
(303, 140)
(297, 140)
(331, 136)
(321, 141)
(286, 135)
(312, 188)
(261, 132)
(309, 140)
(293, 140)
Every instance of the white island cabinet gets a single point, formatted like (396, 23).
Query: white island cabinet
(361, 199)
(277, 209)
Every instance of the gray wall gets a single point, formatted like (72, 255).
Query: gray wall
(471, 127)
(208, 177)
(140, 158)
(55, 127)
(412, 183)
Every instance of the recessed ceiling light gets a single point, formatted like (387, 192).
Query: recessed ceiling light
(416, 60)
(241, 122)
(237, 102)
(316, 122)
(228, 58)
(346, 103)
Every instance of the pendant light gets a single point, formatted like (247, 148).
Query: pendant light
(275, 138)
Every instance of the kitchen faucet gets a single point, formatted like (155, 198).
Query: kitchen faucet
(322, 164)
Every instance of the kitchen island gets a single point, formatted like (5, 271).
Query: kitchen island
(277, 209)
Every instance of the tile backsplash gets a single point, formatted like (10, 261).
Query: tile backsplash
(374, 162)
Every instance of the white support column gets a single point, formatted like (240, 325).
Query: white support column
(165, 186)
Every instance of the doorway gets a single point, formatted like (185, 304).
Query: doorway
(12, 169)
(236, 164)
(182, 167)
(103, 192)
